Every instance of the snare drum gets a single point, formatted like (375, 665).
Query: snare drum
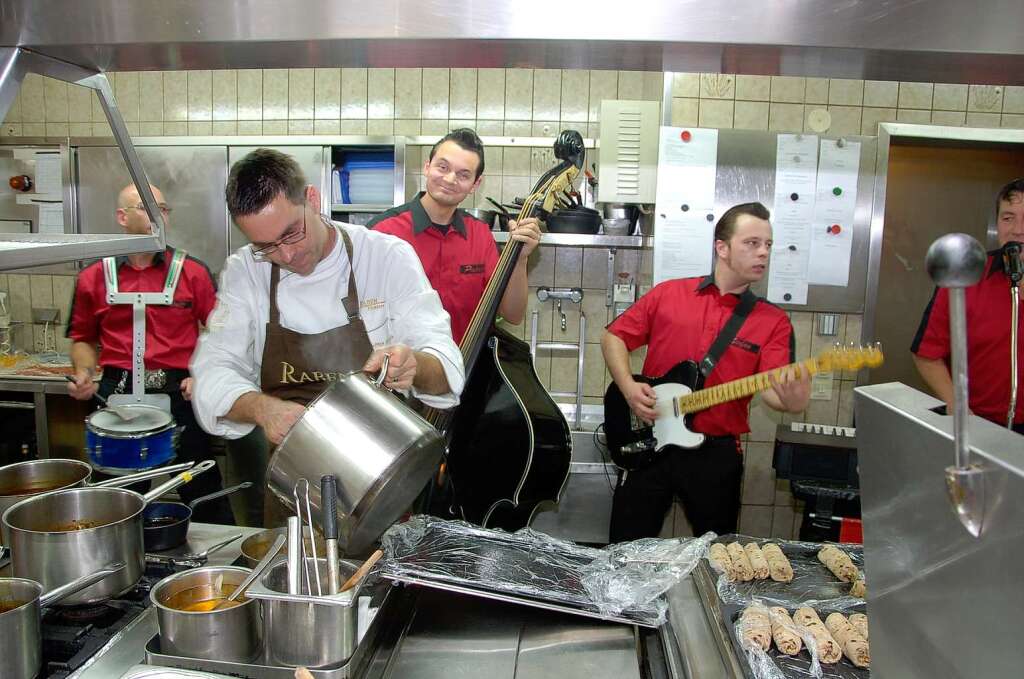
(117, 446)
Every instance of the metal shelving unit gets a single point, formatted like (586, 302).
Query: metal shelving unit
(586, 240)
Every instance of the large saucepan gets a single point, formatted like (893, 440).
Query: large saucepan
(57, 537)
(21, 604)
(381, 452)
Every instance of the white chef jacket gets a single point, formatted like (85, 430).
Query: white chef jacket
(396, 303)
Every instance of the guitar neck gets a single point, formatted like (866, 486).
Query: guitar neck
(737, 389)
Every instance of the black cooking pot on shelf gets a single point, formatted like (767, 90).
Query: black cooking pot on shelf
(574, 220)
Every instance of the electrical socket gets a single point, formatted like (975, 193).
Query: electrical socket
(45, 315)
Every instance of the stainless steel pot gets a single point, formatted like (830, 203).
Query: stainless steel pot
(255, 546)
(21, 604)
(381, 452)
(294, 624)
(58, 537)
(233, 634)
(484, 215)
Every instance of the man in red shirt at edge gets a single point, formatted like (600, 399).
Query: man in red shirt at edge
(457, 250)
(988, 308)
(679, 320)
(171, 335)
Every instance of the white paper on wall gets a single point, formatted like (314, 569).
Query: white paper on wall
(684, 203)
(796, 169)
(48, 174)
(51, 217)
(834, 208)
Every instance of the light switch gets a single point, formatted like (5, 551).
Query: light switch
(828, 324)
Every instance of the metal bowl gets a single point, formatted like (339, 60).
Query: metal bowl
(255, 546)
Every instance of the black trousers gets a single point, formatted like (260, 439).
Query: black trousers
(705, 479)
(193, 446)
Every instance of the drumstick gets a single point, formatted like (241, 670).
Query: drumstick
(358, 575)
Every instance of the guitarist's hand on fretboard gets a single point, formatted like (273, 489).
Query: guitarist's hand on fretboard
(641, 399)
(790, 389)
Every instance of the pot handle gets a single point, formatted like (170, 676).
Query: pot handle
(179, 480)
(379, 382)
(78, 584)
(120, 481)
(219, 493)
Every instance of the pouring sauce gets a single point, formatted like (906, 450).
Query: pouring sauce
(10, 605)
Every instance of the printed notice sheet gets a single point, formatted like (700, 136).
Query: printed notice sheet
(834, 207)
(685, 200)
(796, 169)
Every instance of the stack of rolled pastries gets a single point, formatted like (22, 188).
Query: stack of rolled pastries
(759, 626)
(751, 561)
(838, 561)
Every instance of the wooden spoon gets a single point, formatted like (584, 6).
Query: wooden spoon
(362, 571)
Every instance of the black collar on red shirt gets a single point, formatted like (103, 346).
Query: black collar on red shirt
(421, 220)
(710, 280)
(158, 258)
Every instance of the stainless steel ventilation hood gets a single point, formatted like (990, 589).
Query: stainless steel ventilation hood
(920, 40)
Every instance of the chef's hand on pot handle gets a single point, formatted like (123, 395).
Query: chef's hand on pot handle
(401, 366)
(83, 387)
(277, 417)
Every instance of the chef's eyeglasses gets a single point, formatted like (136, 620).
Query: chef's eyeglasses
(164, 208)
(262, 251)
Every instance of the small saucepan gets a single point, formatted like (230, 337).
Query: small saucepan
(165, 524)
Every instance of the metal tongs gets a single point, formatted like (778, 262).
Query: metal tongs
(301, 552)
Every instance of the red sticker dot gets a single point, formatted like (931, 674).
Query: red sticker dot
(685, 135)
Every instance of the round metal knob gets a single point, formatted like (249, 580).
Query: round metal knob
(955, 261)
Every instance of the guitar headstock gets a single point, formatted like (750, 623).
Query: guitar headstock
(570, 151)
(850, 357)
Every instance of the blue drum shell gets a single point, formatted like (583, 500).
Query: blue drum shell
(115, 445)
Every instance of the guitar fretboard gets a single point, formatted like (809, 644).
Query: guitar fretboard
(741, 388)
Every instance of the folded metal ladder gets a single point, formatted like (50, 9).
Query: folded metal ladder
(575, 296)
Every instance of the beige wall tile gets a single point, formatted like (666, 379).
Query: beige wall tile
(595, 274)
(175, 96)
(845, 415)
(517, 160)
(949, 97)
(493, 128)
(20, 297)
(717, 86)
(545, 128)
(783, 495)
(654, 86)
(948, 117)
(881, 93)
(788, 89)
(279, 127)
(518, 94)
(226, 128)
(63, 130)
(328, 126)
(816, 91)
(250, 95)
(1013, 99)
(85, 129)
(463, 93)
(103, 129)
(547, 94)
(716, 113)
(381, 93)
(491, 93)
(434, 128)
(200, 128)
(63, 290)
(1012, 120)
(915, 95)
(14, 111)
(352, 127)
(909, 115)
(327, 93)
(275, 94)
(41, 291)
(846, 92)
(200, 96)
(686, 84)
(631, 85)
(518, 128)
(751, 115)
(306, 127)
(456, 123)
(80, 103)
(380, 127)
(146, 129)
(511, 187)
(845, 119)
(985, 98)
(563, 366)
(977, 119)
(763, 421)
(785, 117)
(224, 85)
(354, 93)
(436, 84)
(134, 129)
(685, 112)
(14, 129)
(541, 270)
(803, 327)
(758, 475)
(407, 127)
(55, 96)
(300, 94)
(33, 99)
(544, 319)
(575, 96)
(595, 310)
(408, 93)
(756, 521)
(872, 116)
(595, 374)
(603, 85)
(752, 87)
(824, 412)
(250, 127)
(569, 267)
(782, 523)
(151, 97)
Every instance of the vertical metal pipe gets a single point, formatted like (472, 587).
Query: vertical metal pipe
(958, 345)
(1014, 329)
(579, 369)
(294, 555)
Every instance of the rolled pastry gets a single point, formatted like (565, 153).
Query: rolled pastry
(855, 647)
(860, 623)
(838, 562)
(719, 556)
(778, 565)
(784, 631)
(756, 627)
(758, 564)
(829, 651)
(740, 563)
(859, 588)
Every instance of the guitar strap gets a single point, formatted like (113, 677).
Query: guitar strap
(728, 332)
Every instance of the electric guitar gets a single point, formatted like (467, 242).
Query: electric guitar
(634, 444)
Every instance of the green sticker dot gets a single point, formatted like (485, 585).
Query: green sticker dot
(837, 191)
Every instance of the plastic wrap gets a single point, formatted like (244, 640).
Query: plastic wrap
(813, 584)
(622, 581)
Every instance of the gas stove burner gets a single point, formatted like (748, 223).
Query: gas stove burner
(99, 615)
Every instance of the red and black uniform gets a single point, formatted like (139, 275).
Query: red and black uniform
(679, 320)
(171, 335)
(989, 307)
(458, 258)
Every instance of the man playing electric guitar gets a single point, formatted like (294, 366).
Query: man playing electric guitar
(680, 320)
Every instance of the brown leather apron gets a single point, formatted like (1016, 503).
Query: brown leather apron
(298, 367)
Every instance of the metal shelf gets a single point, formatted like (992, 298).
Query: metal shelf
(359, 207)
(22, 250)
(586, 240)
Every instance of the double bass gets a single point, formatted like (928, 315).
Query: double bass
(509, 444)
